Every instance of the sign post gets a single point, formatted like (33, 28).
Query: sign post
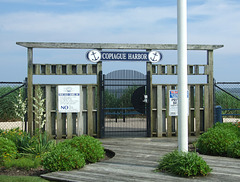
(182, 76)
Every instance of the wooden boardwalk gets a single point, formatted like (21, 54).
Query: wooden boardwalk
(136, 159)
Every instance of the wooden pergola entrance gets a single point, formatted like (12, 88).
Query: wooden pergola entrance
(201, 110)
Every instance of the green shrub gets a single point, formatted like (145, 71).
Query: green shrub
(228, 126)
(234, 150)
(217, 139)
(63, 158)
(184, 164)
(39, 145)
(91, 148)
(8, 149)
(19, 137)
(23, 163)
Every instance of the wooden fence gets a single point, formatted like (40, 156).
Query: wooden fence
(200, 101)
(66, 125)
(88, 120)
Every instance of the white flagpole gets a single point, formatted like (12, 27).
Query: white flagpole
(182, 76)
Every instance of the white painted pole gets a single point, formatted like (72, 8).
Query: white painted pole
(182, 76)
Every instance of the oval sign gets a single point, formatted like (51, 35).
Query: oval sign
(154, 56)
(94, 55)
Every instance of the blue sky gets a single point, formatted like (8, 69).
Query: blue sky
(116, 21)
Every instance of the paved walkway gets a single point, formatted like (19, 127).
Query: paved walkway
(136, 159)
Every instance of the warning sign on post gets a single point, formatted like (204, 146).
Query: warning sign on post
(68, 98)
(173, 102)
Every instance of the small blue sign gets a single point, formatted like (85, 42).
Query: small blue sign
(173, 94)
(95, 56)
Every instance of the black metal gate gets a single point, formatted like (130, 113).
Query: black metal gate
(125, 102)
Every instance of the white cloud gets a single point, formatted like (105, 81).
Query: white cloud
(132, 21)
(210, 22)
(215, 22)
(38, 2)
(115, 3)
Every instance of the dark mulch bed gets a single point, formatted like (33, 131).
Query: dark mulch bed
(21, 172)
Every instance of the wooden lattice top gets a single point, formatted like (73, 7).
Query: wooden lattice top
(55, 45)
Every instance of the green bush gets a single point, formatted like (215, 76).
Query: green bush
(184, 164)
(217, 140)
(91, 148)
(39, 145)
(23, 163)
(63, 158)
(8, 149)
(19, 137)
(228, 126)
(234, 150)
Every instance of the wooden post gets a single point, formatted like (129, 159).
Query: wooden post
(59, 120)
(48, 69)
(79, 69)
(48, 124)
(69, 69)
(99, 69)
(90, 109)
(69, 126)
(169, 69)
(80, 115)
(59, 125)
(30, 91)
(149, 68)
(37, 69)
(210, 84)
(89, 69)
(37, 124)
(206, 108)
(197, 109)
(169, 118)
(159, 111)
(189, 116)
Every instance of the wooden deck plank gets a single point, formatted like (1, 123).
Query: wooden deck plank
(136, 159)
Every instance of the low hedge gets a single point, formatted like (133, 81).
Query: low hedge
(63, 158)
(8, 149)
(184, 164)
(91, 148)
(217, 140)
(84, 149)
(234, 149)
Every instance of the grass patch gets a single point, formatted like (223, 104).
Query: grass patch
(23, 163)
(5, 178)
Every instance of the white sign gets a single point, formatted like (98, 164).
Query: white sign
(68, 98)
(173, 102)
(154, 56)
(95, 56)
